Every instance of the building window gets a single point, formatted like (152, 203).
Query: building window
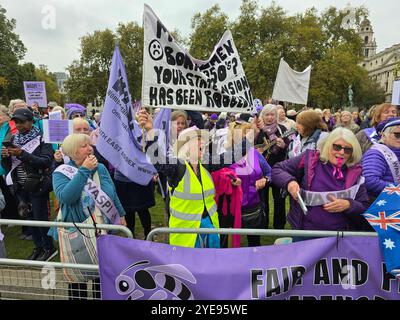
(366, 39)
(366, 54)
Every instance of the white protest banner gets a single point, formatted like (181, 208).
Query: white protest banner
(35, 93)
(174, 79)
(290, 85)
(396, 93)
(55, 131)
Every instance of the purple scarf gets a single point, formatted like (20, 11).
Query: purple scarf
(270, 130)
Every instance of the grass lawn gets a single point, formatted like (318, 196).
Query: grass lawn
(21, 249)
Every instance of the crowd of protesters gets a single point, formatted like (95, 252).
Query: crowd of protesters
(295, 154)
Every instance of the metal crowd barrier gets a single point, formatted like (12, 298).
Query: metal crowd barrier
(25, 279)
(42, 280)
(261, 232)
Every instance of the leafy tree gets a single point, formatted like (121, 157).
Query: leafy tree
(12, 51)
(89, 75)
(208, 29)
(42, 74)
(131, 45)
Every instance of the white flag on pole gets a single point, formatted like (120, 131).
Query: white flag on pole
(396, 93)
(290, 85)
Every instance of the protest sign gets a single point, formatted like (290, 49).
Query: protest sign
(55, 115)
(119, 132)
(35, 93)
(55, 131)
(174, 79)
(349, 268)
(290, 85)
(396, 93)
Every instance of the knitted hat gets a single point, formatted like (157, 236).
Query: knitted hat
(214, 116)
(390, 123)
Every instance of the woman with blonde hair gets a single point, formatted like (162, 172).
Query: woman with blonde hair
(346, 121)
(371, 135)
(76, 203)
(255, 173)
(328, 119)
(330, 184)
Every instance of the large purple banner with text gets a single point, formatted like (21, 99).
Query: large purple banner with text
(322, 269)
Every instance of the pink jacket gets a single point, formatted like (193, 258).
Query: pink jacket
(223, 186)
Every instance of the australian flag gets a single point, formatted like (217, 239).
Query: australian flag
(384, 217)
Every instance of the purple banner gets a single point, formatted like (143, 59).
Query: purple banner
(35, 93)
(323, 269)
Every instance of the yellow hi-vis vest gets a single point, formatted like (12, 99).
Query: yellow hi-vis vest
(187, 204)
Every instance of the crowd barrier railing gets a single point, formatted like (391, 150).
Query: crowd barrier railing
(42, 280)
(261, 232)
(26, 279)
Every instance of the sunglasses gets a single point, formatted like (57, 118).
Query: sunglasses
(338, 148)
(396, 135)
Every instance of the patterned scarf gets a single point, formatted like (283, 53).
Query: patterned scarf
(21, 139)
(270, 130)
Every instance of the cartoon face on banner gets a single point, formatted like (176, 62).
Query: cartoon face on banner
(155, 282)
(172, 78)
(155, 50)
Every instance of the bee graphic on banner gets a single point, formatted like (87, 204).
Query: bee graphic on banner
(155, 282)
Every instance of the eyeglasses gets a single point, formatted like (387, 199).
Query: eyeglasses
(396, 135)
(78, 115)
(347, 150)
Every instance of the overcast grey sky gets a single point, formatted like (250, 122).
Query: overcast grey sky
(55, 42)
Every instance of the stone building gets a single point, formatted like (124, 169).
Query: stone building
(380, 66)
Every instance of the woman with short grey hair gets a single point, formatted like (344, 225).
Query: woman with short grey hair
(272, 135)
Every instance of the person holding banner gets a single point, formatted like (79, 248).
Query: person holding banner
(191, 186)
(77, 201)
(381, 164)
(326, 187)
(371, 135)
(27, 160)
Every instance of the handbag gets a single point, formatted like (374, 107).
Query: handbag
(78, 246)
(254, 218)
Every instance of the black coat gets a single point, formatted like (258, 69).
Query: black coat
(37, 162)
(276, 154)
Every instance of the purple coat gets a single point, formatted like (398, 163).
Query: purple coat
(376, 171)
(313, 175)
